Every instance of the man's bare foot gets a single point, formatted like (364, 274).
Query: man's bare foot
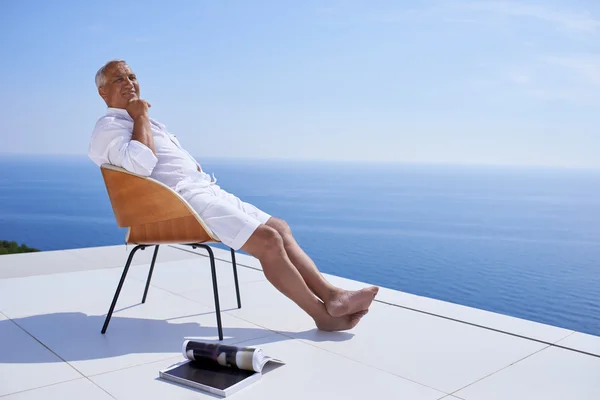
(346, 322)
(346, 302)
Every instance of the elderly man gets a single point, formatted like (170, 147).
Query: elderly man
(127, 137)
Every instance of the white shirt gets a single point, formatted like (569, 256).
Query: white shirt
(111, 144)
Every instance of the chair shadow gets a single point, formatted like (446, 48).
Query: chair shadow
(75, 336)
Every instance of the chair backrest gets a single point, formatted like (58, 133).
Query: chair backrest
(138, 200)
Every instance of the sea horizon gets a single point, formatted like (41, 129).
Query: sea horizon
(332, 161)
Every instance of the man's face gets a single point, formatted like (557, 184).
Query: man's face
(121, 85)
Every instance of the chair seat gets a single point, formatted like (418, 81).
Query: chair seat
(177, 230)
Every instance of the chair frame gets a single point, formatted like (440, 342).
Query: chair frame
(124, 220)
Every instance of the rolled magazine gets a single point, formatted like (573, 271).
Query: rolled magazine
(217, 368)
(244, 358)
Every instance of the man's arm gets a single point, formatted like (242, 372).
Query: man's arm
(143, 133)
(138, 110)
(117, 144)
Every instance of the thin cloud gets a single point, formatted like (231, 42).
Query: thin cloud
(520, 79)
(573, 96)
(564, 19)
(96, 28)
(586, 68)
(326, 11)
(471, 12)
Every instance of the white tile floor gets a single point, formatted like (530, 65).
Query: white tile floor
(308, 373)
(263, 305)
(30, 264)
(582, 342)
(69, 318)
(26, 364)
(434, 352)
(51, 344)
(546, 333)
(194, 275)
(78, 389)
(550, 374)
(116, 256)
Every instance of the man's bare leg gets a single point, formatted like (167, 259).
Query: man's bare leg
(337, 301)
(266, 244)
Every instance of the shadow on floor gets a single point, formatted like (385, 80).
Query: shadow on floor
(76, 336)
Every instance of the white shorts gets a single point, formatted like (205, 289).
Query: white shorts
(232, 220)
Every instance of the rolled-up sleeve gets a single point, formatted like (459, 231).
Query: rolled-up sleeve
(111, 144)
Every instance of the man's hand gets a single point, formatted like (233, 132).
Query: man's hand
(138, 108)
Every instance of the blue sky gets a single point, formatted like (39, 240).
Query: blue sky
(485, 82)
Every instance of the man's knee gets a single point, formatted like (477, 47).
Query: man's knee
(270, 236)
(264, 241)
(281, 227)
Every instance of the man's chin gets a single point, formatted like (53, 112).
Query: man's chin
(132, 96)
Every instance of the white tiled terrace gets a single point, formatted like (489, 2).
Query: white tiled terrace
(53, 304)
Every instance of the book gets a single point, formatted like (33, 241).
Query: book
(216, 368)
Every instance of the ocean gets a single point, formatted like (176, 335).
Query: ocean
(518, 241)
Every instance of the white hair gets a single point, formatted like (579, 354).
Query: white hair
(100, 77)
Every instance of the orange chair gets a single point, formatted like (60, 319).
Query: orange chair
(155, 214)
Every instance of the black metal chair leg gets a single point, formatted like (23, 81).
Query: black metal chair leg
(235, 278)
(150, 274)
(215, 287)
(114, 301)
